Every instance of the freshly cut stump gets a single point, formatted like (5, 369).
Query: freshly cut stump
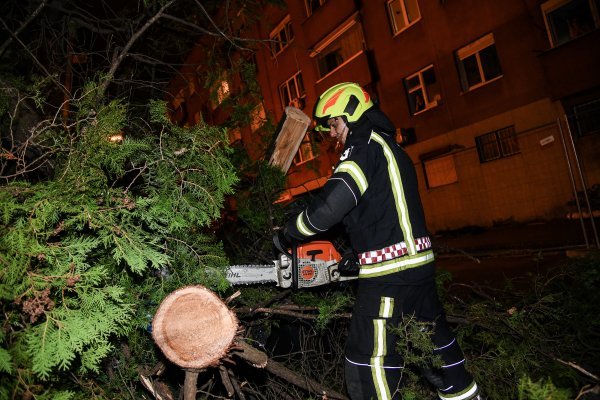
(194, 328)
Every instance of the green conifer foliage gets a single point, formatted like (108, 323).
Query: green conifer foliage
(87, 254)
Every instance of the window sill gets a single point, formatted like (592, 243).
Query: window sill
(475, 87)
(333, 71)
(430, 106)
(303, 162)
(406, 27)
(273, 56)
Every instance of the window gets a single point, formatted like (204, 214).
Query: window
(292, 91)
(478, 63)
(402, 13)
(585, 119)
(313, 5)
(440, 171)
(339, 47)
(498, 144)
(423, 90)
(281, 36)
(305, 151)
(568, 19)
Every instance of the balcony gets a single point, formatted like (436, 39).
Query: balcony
(356, 69)
(573, 66)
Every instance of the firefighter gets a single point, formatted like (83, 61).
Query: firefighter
(374, 192)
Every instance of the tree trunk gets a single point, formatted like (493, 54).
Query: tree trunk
(195, 329)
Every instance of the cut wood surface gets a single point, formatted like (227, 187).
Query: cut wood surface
(194, 328)
(291, 130)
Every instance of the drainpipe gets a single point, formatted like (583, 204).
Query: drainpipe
(583, 184)
(573, 185)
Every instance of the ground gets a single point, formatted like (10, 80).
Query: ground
(489, 256)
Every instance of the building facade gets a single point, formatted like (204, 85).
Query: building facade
(497, 103)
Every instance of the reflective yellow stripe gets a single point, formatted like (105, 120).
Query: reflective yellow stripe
(398, 190)
(399, 264)
(386, 307)
(465, 394)
(356, 173)
(377, 370)
(302, 227)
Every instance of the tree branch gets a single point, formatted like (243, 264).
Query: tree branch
(39, 64)
(23, 25)
(118, 59)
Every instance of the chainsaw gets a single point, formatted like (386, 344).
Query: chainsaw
(308, 265)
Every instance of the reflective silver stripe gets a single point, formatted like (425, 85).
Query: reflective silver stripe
(468, 393)
(302, 227)
(398, 190)
(356, 173)
(448, 345)
(348, 186)
(454, 365)
(371, 365)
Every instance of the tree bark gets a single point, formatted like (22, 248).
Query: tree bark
(189, 386)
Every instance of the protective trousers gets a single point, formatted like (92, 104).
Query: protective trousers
(374, 366)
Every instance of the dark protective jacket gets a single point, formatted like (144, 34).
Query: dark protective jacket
(374, 192)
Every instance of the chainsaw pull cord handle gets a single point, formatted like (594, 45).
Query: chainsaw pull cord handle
(294, 264)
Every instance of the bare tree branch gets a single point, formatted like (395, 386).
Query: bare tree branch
(118, 59)
(38, 63)
(23, 25)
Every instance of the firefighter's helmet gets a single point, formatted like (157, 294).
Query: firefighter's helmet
(347, 100)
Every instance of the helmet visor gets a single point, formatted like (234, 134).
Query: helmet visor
(322, 123)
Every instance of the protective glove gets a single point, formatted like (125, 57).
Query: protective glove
(282, 241)
(349, 262)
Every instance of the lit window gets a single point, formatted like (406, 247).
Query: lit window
(222, 91)
(440, 171)
(258, 117)
(568, 19)
(478, 63)
(402, 13)
(292, 91)
(498, 144)
(423, 90)
(305, 151)
(313, 5)
(342, 45)
(281, 36)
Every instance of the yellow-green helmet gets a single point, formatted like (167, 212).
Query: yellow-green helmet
(344, 99)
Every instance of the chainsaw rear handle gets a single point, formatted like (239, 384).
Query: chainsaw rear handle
(282, 244)
(294, 265)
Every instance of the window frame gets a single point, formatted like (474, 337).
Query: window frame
(451, 176)
(318, 51)
(476, 48)
(504, 145)
(309, 9)
(308, 145)
(405, 16)
(285, 26)
(580, 116)
(298, 84)
(429, 103)
(553, 5)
